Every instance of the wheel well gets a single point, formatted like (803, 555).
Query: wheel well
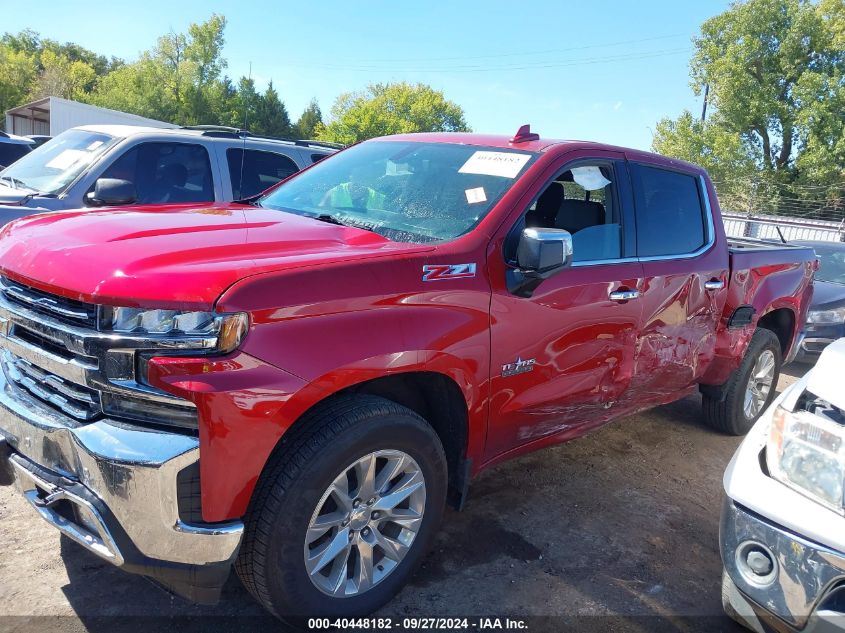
(439, 400)
(782, 323)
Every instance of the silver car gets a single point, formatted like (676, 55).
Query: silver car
(107, 165)
(783, 521)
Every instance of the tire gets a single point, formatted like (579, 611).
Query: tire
(729, 413)
(295, 486)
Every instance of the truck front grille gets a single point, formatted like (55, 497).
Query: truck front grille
(77, 401)
(65, 310)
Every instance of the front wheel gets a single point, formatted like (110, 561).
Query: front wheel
(750, 388)
(345, 511)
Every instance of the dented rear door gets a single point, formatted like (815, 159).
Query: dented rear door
(685, 270)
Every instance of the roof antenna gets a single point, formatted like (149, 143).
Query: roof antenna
(524, 134)
(243, 140)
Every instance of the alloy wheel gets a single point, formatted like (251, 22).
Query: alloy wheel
(365, 523)
(759, 384)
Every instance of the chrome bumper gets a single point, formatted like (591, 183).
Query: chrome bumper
(127, 475)
(806, 586)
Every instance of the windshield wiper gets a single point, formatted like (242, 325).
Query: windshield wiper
(17, 183)
(325, 217)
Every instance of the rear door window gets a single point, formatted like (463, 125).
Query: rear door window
(166, 172)
(10, 152)
(259, 171)
(670, 214)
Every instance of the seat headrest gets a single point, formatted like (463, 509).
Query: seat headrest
(547, 206)
(575, 215)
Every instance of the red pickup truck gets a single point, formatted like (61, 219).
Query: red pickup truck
(295, 387)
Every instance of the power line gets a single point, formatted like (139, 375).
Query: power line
(526, 66)
(393, 60)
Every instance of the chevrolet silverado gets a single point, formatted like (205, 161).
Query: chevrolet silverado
(295, 387)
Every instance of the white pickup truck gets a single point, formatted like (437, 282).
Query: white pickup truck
(783, 530)
(109, 165)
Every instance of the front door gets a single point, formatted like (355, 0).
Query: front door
(562, 358)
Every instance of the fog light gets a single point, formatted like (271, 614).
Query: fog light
(759, 562)
(756, 563)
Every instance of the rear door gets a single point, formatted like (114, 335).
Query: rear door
(252, 171)
(562, 358)
(685, 279)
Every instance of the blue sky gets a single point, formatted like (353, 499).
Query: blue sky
(595, 70)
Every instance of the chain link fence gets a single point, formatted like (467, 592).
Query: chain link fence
(776, 211)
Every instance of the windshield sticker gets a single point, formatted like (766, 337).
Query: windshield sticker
(66, 158)
(437, 272)
(94, 146)
(590, 178)
(503, 164)
(476, 195)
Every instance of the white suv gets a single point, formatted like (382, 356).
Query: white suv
(149, 166)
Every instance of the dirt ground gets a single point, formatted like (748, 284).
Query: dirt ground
(621, 524)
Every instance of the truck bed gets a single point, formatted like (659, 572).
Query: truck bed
(749, 253)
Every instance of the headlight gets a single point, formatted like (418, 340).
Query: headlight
(807, 453)
(836, 315)
(228, 329)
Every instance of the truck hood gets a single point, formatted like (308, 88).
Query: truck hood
(827, 294)
(825, 379)
(176, 257)
(8, 195)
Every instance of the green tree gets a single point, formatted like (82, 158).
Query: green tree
(177, 80)
(776, 76)
(62, 77)
(271, 116)
(246, 104)
(310, 122)
(17, 73)
(392, 108)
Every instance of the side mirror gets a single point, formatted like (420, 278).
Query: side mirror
(543, 252)
(112, 192)
(540, 254)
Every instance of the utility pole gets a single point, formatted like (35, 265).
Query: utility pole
(704, 107)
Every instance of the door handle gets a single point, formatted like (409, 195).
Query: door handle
(714, 284)
(624, 295)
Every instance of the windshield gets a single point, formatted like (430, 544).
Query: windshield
(405, 191)
(831, 263)
(50, 168)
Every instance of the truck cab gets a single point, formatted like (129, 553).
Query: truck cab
(296, 386)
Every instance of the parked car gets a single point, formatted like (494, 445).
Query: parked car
(296, 387)
(38, 139)
(108, 165)
(13, 147)
(783, 529)
(826, 318)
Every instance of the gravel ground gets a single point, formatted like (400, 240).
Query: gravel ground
(621, 523)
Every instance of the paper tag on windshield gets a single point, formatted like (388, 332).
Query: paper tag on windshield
(504, 164)
(94, 146)
(65, 159)
(476, 195)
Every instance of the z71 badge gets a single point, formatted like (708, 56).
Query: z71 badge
(436, 272)
(519, 366)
